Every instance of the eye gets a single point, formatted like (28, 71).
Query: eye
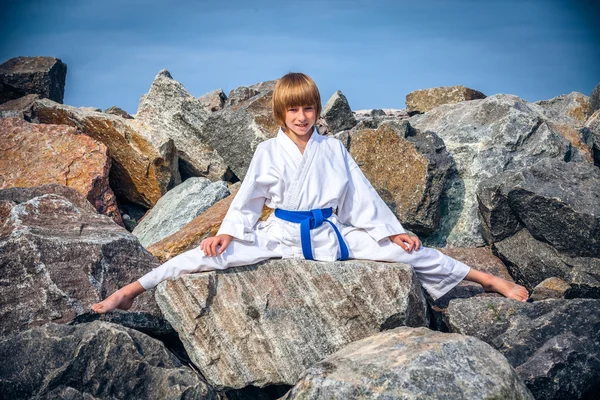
(292, 109)
(309, 108)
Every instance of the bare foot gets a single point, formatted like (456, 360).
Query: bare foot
(506, 288)
(121, 299)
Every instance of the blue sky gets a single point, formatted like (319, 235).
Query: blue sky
(375, 51)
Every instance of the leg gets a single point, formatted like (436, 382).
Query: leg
(493, 283)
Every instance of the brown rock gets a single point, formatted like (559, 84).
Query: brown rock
(35, 154)
(114, 110)
(213, 101)
(19, 108)
(593, 124)
(551, 288)
(576, 135)
(143, 167)
(573, 105)
(427, 99)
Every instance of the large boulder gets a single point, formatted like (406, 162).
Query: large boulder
(424, 100)
(553, 344)
(172, 111)
(178, 207)
(593, 124)
(574, 105)
(144, 163)
(407, 170)
(19, 108)
(38, 154)
(18, 195)
(44, 76)
(412, 363)
(595, 99)
(484, 138)
(264, 324)
(236, 131)
(99, 360)
(337, 114)
(58, 259)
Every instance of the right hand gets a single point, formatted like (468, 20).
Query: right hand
(209, 245)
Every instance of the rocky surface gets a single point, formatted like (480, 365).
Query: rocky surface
(484, 138)
(213, 101)
(412, 363)
(595, 99)
(236, 131)
(144, 164)
(44, 76)
(58, 259)
(172, 111)
(56, 154)
(424, 100)
(99, 360)
(114, 110)
(574, 105)
(19, 108)
(371, 119)
(593, 124)
(264, 324)
(551, 288)
(407, 170)
(553, 344)
(23, 194)
(178, 207)
(337, 114)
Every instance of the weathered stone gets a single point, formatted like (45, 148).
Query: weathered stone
(114, 110)
(56, 154)
(371, 119)
(412, 363)
(33, 75)
(144, 164)
(553, 344)
(213, 101)
(57, 260)
(99, 360)
(90, 109)
(24, 194)
(408, 171)
(484, 138)
(424, 100)
(236, 131)
(550, 288)
(264, 324)
(574, 105)
(593, 124)
(595, 99)
(19, 108)
(172, 111)
(337, 113)
(178, 207)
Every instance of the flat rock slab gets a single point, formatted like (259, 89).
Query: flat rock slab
(44, 76)
(553, 344)
(427, 99)
(98, 360)
(412, 363)
(264, 324)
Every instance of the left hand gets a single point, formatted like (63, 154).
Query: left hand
(408, 243)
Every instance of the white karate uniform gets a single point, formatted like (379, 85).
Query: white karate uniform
(280, 176)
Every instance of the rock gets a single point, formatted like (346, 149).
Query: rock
(424, 100)
(595, 99)
(213, 101)
(24, 194)
(412, 363)
(553, 344)
(172, 111)
(264, 324)
(574, 105)
(57, 260)
(33, 75)
(593, 124)
(371, 119)
(337, 113)
(144, 163)
(178, 207)
(114, 110)
(485, 138)
(19, 108)
(550, 288)
(236, 131)
(407, 171)
(90, 109)
(56, 154)
(99, 360)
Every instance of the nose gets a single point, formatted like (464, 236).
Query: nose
(302, 114)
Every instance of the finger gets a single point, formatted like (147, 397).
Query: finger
(410, 243)
(224, 244)
(417, 243)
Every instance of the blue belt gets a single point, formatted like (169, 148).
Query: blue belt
(310, 220)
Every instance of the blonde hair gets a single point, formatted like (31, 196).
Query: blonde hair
(295, 90)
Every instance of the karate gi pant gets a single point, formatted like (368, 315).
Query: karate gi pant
(437, 272)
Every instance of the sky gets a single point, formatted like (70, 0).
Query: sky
(375, 52)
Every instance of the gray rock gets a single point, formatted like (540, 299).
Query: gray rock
(574, 105)
(99, 360)
(264, 324)
(20, 108)
(550, 288)
(593, 124)
(424, 100)
(371, 119)
(595, 99)
(179, 206)
(44, 76)
(24, 194)
(114, 110)
(337, 113)
(412, 363)
(213, 101)
(484, 138)
(90, 109)
(243, 93)
(58, 259)
(172, 111)
(553, 344)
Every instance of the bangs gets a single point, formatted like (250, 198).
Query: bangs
(294, 90)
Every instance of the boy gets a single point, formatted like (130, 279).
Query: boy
(304, 177)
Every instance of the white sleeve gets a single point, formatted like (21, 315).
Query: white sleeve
(362, 207)
(246, 207)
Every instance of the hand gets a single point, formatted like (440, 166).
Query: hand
(408, 243)
(209, 245)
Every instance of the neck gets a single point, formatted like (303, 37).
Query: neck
(300, 141)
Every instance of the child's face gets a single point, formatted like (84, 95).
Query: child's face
(300, 119)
